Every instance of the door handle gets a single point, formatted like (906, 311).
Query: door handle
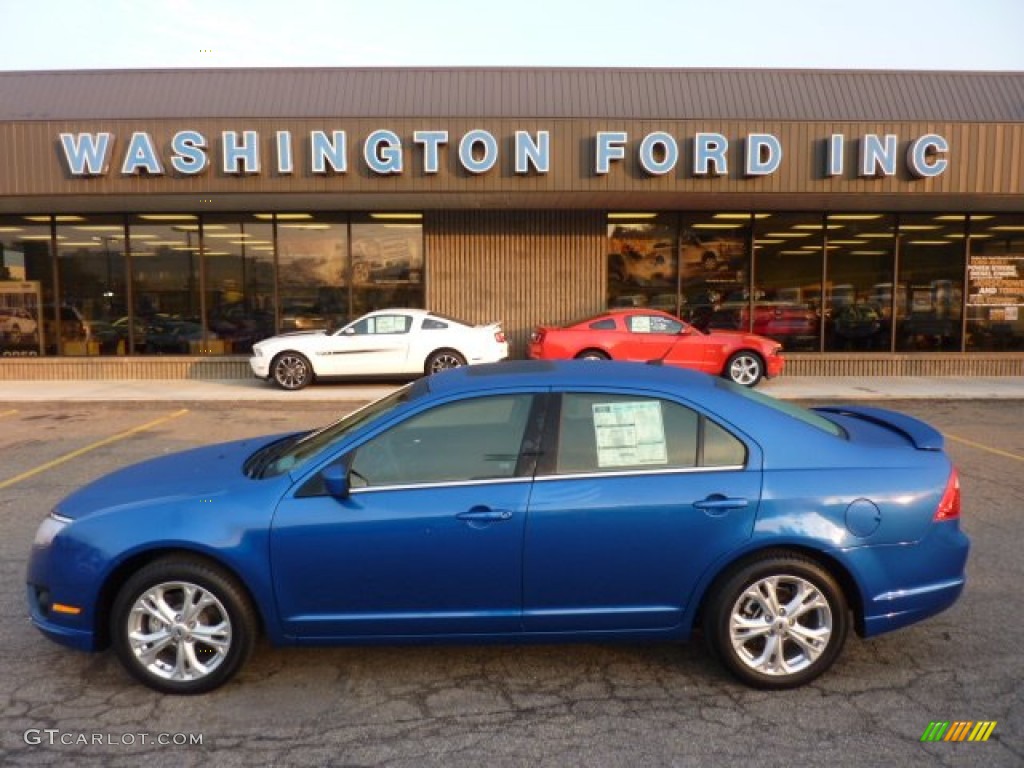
(485, 515)
(716, 503)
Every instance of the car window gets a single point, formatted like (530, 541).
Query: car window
(611, 433)
(382, 324)
(473, 439)
(607, 324)
(430, 324)
(653, 324)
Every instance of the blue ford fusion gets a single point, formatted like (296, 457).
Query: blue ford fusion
(520, 501)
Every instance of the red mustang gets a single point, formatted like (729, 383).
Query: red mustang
(643, 335)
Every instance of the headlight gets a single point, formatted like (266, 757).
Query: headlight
(49, 528)
(257, 352)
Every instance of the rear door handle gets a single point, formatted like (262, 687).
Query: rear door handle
(719, 504)
(485, 515)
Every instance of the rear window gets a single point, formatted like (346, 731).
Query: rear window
(795, 411)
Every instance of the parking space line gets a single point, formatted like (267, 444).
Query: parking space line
(11, 412)
(982, 447)
(91, 447)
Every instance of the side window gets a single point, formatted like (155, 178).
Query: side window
(430, 324)
(653, 324)
(607, 324)
(612, 433)
(474, 439)
(722, 449)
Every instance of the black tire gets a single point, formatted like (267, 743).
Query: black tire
(194, 651)
(291, 371)
(744, 367)
(747, 627)
(442, 360)
(593, 354)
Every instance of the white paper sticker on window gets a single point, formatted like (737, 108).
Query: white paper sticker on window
(390, 324)
(640, 324)
(629, 434)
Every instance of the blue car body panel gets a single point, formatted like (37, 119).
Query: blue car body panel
(535, 556)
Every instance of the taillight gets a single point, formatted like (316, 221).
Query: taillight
(949, 505)
(499, 336)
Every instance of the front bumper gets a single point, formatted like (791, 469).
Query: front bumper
(260, 366)
(77, 637)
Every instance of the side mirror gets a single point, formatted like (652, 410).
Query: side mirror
(349, 332)
(336, 480)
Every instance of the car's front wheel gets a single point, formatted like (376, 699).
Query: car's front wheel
(442, 360)
(778, 622)
(291, 371)
(181, 625)
(745, 368)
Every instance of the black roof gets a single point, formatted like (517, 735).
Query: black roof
(429, 92)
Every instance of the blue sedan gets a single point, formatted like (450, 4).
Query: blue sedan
(528, 501)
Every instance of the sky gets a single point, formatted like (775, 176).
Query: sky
(804, 34)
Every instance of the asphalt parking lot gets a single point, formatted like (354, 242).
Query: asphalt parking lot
(620, 705)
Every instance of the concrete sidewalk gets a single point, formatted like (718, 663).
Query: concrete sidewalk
(249, 390)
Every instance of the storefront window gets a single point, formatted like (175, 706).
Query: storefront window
(26, 286)
(312, 271)
(238, 255)
(165, 260)
(788, 266)
(643, 266)
(995, 288)
(929, 287)
(714, 258)
(387, 262)
(93, 285)
(860, 251)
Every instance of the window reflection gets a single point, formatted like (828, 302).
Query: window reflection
(860, 250)
(387, 265)
(312, 271)
(928, 294)
(788, 263)
(995, 288)
(642, 262)
(239, 260)
(715, 268)
(93, 283)
(165, 262)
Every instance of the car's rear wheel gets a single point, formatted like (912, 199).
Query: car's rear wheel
(778, 622)
(442, 360)
(291, 371)
(181, 625)
(745, 367)
(592, 354)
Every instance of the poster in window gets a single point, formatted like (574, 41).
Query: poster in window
(20, 334)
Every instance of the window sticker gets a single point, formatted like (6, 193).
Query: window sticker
(629, 434)
(390, 324)
(640, 324)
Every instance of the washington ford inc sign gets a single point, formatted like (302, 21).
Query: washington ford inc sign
(385, 153)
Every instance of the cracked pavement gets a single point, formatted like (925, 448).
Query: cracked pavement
(565, 705)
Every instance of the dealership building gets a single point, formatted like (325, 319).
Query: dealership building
(156, 223)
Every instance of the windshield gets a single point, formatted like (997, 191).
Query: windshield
(807, 417)
(286, 455)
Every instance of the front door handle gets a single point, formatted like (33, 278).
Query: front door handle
(485, 515)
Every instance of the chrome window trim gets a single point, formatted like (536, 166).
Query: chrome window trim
(632, 472)
(442, 484)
